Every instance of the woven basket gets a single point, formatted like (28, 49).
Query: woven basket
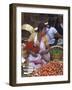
(56, 53)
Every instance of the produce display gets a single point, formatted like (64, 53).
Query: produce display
(50, 69)
(53, 67)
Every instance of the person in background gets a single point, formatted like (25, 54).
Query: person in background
(52, 33)
(59, 28)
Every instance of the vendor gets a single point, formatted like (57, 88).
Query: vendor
(40, 36)
(40, 40)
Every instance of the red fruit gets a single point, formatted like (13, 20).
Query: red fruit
(50, 69)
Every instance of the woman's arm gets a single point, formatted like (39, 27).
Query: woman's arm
(58, 35)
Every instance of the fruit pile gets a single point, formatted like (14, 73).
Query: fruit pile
(50, 69)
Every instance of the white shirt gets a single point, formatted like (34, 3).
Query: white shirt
(51, 33)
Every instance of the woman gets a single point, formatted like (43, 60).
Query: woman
(40, 40)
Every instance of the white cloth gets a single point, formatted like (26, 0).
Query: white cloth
(42, 46)
(60, 42)
(50, 33)
(32, 58)
(35, 39)
(23, 60)
(31, 67)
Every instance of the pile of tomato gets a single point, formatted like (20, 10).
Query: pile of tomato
(50, 69)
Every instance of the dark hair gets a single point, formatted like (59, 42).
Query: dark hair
(59, 20)
(41, 26)
(51, 21)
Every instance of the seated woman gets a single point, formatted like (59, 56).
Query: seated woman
(39, 52)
